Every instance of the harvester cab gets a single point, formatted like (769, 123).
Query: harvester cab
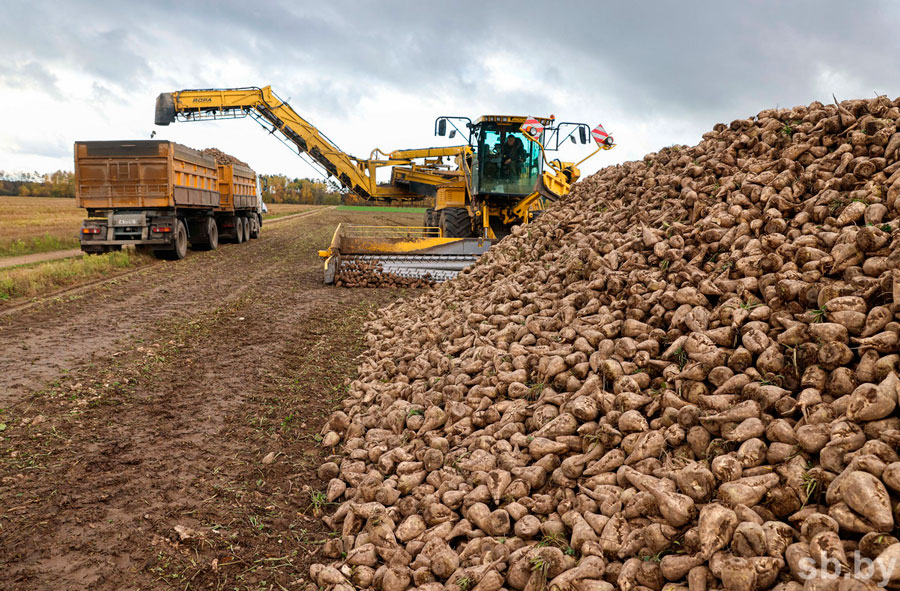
(504, 162)
(508, 176)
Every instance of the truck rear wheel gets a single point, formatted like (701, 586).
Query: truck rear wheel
(455, 222)
(213, 232)
(180, 245)
(254, 227)
(247, 235)
(205, 234)
(238, 230)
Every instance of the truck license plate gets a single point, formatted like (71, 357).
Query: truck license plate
(129, 220)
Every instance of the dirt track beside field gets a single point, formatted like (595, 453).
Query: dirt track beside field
(138, 412)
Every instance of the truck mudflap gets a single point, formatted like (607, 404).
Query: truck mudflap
(404, 251)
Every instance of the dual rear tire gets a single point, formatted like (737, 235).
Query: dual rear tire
(238, 230)
(207, 235)
(179, 245)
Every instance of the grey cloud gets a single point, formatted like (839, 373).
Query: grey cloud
(40, 145)
(93, 38)
(29, 75)
(695, 62)
(733, 58)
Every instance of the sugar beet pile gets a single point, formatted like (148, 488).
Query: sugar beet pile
(221, 157)
(684, 376)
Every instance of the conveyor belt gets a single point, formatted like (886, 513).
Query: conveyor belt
(413, 252)
(437, 267)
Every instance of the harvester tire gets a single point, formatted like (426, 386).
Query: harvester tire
(455, 222)
(429, 218)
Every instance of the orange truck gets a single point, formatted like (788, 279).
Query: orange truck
(162, 196)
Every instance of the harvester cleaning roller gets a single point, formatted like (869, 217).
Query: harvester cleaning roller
(411, 252)
(437, 267)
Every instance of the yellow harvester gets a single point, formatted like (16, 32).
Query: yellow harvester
(477, 191)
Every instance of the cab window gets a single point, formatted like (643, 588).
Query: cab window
(507, 162)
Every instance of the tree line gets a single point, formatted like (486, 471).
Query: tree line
(35, 184)
(277, 188)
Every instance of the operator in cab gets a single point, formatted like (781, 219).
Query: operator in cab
(512, 155)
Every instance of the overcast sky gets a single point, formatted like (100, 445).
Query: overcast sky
(376, 74)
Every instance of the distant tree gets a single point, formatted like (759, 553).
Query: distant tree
(281, 189)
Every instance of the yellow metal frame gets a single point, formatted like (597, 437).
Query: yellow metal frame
(357, 174)
(355, 239)
(451, 197)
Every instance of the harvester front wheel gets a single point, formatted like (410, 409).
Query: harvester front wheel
(455, 222)
(430, 220)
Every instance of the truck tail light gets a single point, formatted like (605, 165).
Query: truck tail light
(162, 229)
(90, 230)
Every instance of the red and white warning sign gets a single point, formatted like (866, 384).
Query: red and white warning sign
(600, 135)
(532, 127)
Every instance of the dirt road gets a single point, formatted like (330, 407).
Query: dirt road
(39, 257)
(159, 430)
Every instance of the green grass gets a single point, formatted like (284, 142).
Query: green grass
(36, 244)
(32, 280)
(381, 209)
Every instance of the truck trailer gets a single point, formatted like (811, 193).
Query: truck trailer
(160, 195)
(238, 216)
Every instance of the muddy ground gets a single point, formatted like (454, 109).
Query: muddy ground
(159, 430)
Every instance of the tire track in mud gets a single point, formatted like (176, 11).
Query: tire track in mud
(38, 346)
(164, 422)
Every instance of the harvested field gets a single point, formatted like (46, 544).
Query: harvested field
(683, 376)
(381, 209)
(38, 224)
(277, 210)
(159, 431)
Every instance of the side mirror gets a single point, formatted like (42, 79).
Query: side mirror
(442, 127)
(572, 138)
(582, 134)
(452, 134)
